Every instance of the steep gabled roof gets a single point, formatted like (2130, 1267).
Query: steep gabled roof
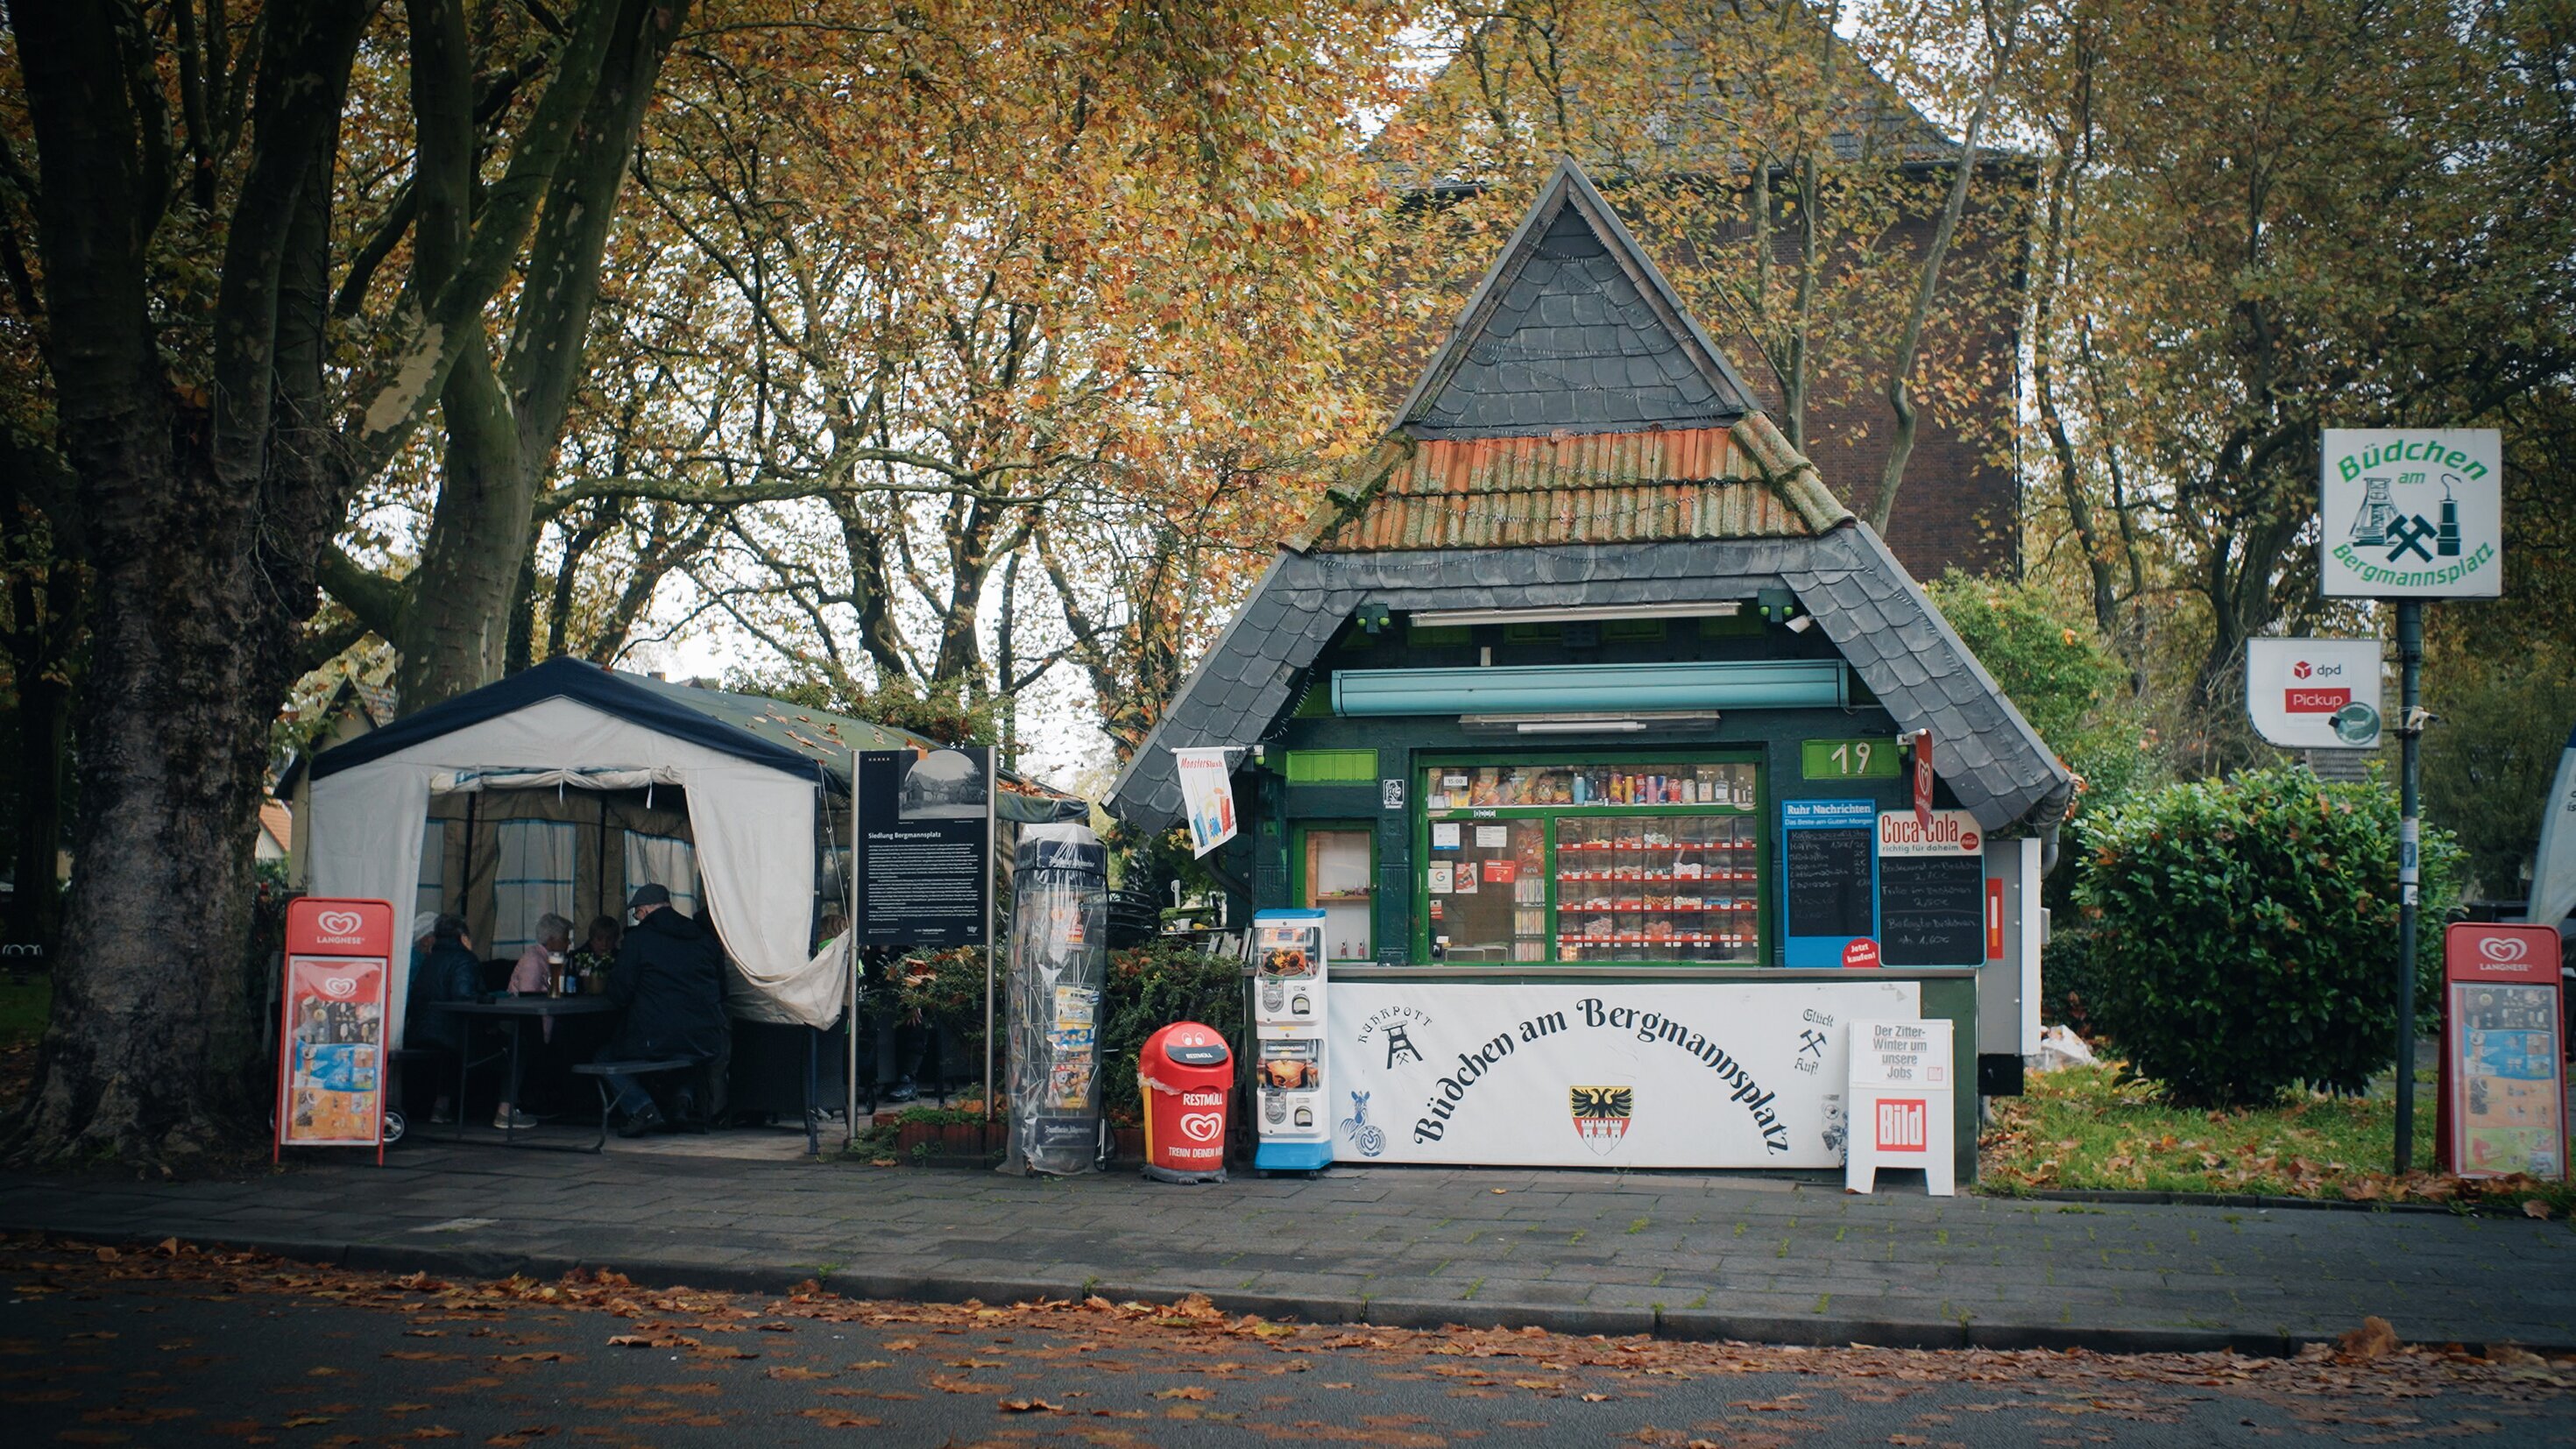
(1879, 619)
(1574, 330)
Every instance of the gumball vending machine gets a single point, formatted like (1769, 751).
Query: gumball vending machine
(1289, 1089)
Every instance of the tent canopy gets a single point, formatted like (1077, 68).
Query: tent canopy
(756, 773)
(753, 727)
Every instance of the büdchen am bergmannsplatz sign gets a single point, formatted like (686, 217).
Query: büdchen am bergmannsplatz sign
(2412, 513)
(1667, 1074)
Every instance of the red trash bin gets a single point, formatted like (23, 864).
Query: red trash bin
(1187, 1076)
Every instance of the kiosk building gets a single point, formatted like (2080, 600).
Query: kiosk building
(1589, 717)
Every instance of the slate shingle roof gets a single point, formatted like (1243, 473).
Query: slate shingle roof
(1574, 330)
(1897, 643)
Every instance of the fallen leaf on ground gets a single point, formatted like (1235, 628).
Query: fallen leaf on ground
(1030, 1406)
(1186, 1391)
(2372, 1340)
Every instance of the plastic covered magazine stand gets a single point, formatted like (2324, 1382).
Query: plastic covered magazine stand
(1058, 956)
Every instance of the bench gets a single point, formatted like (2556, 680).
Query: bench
(642, 1067)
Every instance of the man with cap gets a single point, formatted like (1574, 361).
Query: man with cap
(669, 980)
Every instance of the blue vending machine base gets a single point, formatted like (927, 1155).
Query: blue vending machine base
(1292, 1156)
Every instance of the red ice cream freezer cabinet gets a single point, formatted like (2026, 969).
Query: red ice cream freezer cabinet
(1291, 1079)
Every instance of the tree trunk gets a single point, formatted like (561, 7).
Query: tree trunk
(44, 718)
(201, 524)
(1900, 397)
(504, 426)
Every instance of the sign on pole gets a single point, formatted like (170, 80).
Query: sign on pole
(2314, 694)
(2412, 513)
(925, 833)
(1923, 778)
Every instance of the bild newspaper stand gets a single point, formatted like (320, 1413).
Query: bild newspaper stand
(331, 1027)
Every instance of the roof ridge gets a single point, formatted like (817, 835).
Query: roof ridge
(1789, 472)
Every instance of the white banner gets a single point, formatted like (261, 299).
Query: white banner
(2414, 513)
(2314, 694)
(1654, 1074)
(1950, 833)
(1207, 797)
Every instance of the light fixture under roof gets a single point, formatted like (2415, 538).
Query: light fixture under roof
(1707, 609)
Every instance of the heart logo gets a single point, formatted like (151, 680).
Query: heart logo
(2504, 950)
(339, 985)
(1202, 1126)
(340, 923)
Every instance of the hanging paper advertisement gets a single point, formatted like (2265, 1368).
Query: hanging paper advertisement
(1207, 797)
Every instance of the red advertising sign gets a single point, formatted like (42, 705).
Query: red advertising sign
(1994, 918)
(1902, 1124)
(331, 1028)
(1860, 952)
(1923, 778)
(2314, 701)
(2504, 1086)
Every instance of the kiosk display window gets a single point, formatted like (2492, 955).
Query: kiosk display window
(1658, 862)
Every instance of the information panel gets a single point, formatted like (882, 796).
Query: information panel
(2504, 1092)
(925, 846)
(331, 1062)
(1931, 890)
(1830, 881)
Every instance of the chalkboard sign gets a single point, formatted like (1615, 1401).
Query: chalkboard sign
(1828, 882)
(1931, 910)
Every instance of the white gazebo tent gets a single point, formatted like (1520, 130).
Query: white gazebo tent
(567, 785)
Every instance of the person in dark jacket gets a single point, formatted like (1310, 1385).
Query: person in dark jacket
(669, 980)
(447, 971)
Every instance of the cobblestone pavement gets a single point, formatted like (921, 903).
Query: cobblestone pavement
(1684, 1255)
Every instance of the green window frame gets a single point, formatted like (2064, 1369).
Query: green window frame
(1427, 809)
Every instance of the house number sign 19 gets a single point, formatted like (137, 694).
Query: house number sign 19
(1849, 759)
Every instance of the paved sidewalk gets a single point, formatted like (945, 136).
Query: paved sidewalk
(1680, 1254)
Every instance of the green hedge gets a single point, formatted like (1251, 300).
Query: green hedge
(1148, 989)
(2238, 937)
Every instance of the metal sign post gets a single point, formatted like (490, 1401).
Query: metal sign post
(2410, 735)
(991, 855)
(848, 937)
(2409, 514)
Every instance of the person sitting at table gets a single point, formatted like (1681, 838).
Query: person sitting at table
(598, 952)
(532, 975)
(669, 980)
(448, 971)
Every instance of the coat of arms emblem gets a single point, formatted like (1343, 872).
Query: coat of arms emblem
(1601, 1115)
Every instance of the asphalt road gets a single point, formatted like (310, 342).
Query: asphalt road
(183, 1347)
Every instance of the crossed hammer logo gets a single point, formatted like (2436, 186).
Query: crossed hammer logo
(2407, 535)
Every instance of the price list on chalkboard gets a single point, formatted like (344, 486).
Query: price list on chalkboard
(1830, 879)
(1931, 890)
